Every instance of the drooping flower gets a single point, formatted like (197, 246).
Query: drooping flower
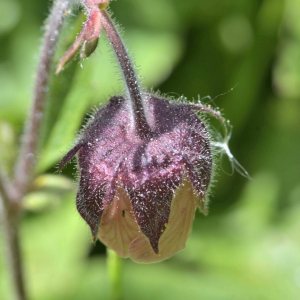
(145, 164)
(139, 196)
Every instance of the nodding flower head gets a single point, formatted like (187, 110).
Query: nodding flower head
(139, 196)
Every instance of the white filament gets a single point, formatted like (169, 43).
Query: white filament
(223, 147)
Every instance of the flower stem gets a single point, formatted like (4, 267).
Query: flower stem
(7, 190)
(10, 213)
(114, 265)
(25, 166)
(10, 226)
(12, 194)
(136, 100)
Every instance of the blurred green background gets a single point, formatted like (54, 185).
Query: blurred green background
(249, 245)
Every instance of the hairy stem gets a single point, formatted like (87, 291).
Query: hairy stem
(7, 191)
(114, 265)
(26, 162)
(9, 213)
(132, 85)
(200, 107)
(11, 195)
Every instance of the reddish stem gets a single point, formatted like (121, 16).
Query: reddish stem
(11, 194)
(27, 158)
(135, 97)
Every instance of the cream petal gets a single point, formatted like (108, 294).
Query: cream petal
(177, 231)
(118, 227)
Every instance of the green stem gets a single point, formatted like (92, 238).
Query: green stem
(114, 266)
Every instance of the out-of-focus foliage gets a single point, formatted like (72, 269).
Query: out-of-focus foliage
(249, 245)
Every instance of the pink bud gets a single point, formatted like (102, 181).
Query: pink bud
(89, 35)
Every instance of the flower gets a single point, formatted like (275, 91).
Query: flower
(139, 196)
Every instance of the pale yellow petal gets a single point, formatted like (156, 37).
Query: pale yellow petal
(177, 230)
(118, 227)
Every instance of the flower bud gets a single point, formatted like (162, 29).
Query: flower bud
(87, 39)
(88, 48)
(139, 195)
